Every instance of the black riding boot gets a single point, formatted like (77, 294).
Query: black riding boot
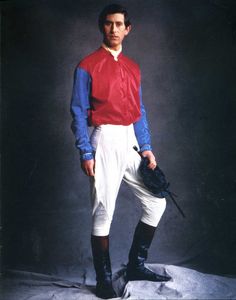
(102, 265)
(136, 269)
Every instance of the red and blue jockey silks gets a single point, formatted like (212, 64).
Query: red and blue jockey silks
(107, 91)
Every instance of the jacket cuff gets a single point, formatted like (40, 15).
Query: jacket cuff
(145, 147)
(87, 156)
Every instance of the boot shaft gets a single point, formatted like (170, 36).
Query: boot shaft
(142, 240)
(101, 258)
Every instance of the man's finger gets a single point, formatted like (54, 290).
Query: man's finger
(152, 165)
(88, 167)
(90, 171)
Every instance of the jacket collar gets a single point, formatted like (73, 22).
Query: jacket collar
(114, 53)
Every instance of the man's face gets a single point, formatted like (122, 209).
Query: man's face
(114, 30)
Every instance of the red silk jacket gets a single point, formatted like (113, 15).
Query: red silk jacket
(115, 88)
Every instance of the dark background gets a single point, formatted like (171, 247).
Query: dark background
(186, 50)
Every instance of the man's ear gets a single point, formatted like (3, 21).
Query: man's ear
(128, 29)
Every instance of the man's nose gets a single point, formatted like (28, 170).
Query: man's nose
(113, 27)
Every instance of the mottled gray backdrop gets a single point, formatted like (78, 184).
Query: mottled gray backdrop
(186, 50)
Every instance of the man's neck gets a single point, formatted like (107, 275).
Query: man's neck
(113, 52)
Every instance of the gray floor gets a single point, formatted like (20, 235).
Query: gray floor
(185, 284)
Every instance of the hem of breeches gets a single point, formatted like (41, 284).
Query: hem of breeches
(150, 220)
(104, 231)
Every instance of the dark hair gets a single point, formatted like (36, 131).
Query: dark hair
(112, 9)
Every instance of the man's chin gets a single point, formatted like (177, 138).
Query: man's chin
(112, 44)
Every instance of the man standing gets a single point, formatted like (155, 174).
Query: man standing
(107, 95)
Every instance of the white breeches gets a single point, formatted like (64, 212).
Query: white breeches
(116, 160)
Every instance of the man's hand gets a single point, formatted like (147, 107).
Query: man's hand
(152, 161)
(88, 167)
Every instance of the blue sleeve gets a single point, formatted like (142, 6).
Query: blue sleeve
(79, 110)
(141, 128)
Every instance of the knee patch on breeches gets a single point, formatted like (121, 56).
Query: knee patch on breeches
(101, 223)
(153, 210)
